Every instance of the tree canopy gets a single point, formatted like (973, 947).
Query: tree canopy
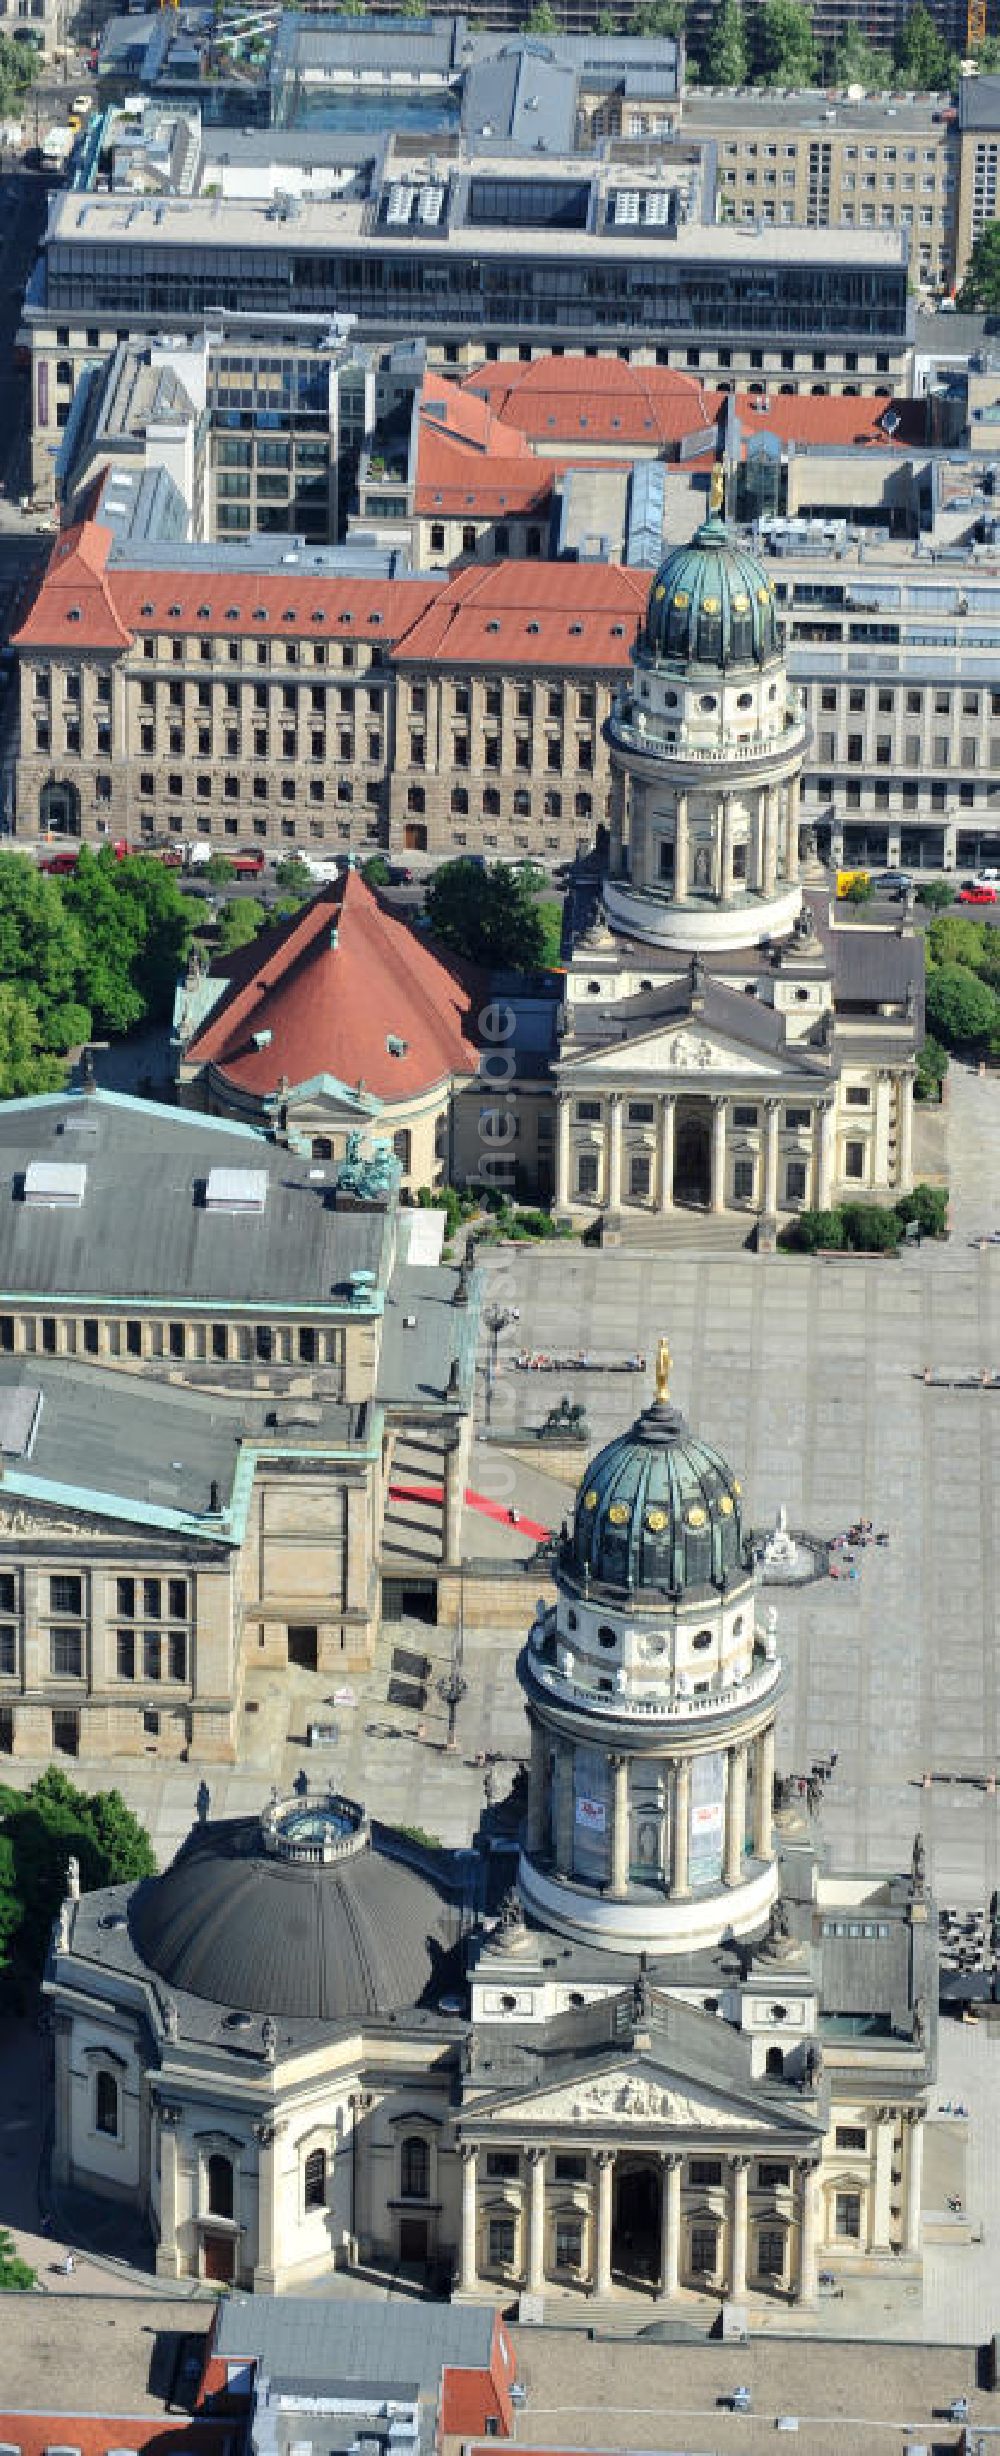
(921, 54)
(239, 922)
(19, 65)
(725, 57)
(787, 53)
(490, 916)
(99, 949)
(980, 291)
(960, 1007)
(856, 62)
(40, 1830)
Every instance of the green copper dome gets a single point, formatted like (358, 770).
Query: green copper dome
(712, 604)
(659, 1508)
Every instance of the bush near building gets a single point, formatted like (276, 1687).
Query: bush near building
(864, 1227)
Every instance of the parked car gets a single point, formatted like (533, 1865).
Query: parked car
(248, 862)
(986, 878)
(400, 875)
(977, 895)
(892, 882)
(59, 864)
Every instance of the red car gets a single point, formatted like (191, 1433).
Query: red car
(248, 864)
(977, 895)
(57, 864)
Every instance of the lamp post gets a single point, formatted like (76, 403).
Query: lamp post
(453, 1685)
(496, 1318)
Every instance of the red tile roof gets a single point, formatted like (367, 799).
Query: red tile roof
(329, 987)
(83, 603)
(75, 606)
(469, 462)
(95, 2434)
(527, 613)
(594, 401)
(819, 418)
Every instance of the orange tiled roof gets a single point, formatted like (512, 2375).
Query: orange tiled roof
(329, 987)
(543, 614)
(596, 400)
(75, 606)
(84, 604)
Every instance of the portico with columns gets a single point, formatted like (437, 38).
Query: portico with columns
(728, 1044)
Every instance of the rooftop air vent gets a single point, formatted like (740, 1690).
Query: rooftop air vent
(55, 1185)
(240, 1191)
(395, 1046)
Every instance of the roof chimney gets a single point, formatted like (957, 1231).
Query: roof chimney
(88, 1079)
(213, 1498)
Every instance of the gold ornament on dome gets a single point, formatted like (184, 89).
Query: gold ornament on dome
(741, 605)
(656, 1520)
(710, 605)
(659, 592)
(664, 1361)
(590, 1499)
(763, 596)
(737, 1486)
(618, 1514)
(682, 599)
(696, 1515)
(726, 1506)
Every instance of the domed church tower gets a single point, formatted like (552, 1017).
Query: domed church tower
(707, 746)
(651, 1694)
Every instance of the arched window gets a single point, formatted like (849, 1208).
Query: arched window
(315, 2179)
(106, 2109)
(775, 2062)
(415, 2168)
(220, 2187)
(606, 1636)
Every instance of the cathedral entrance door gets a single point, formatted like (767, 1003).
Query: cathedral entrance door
(218, 2258)
(635, 2233)
(693, 1160)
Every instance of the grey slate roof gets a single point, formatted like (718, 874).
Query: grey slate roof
(144, 1441)
(979, 102)
(366, 1934)
(142, 1233)
(336, 2343)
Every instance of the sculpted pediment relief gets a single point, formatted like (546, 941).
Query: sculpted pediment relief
(629, 2099)
(679, 1051)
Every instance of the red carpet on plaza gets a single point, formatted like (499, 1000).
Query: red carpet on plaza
(475, 1500)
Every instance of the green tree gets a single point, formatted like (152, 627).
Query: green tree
(25, 1069)
(293, 877)
(932, 1067)
(606, 22)
(928, 1205)
(724, 60)
(487, 915)
(15, 2275)
(655, 17)
(936, 894)
(922, 57)
(239, 922)
(987, 55)
(953, 939)
(135, 928)
(41, 948)
(860, 891)
(786, 48)
(375, 871)
(19, 65)
(855, 62)
(980, 291)
(39, 1830)
(961, 1009)
(541, 19)
(217, 870)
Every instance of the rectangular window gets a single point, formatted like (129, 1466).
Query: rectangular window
(850, 2136)
(8, 1652)
(858, 1096)
(705, 2170)
(704, 2241)
(65, 1594)
(126, 1598)
(151, 1598)
(847, 2223)
(126, 1654)
(502, 2240)
(795, 1181)
(771, 2251)
(798, 1120)
(151, 1655)
(772, 2172)
(744, 1114)
(8, 1591)
(177, 1603)
(569, 2243)
(640, 1176)
(586, 1173)
(66, 1653)
(588, 1112)
(743, 1181)
(641, 1113)
(177, 1655)
(854, 1161)
(570, 2167)
(502, 2165)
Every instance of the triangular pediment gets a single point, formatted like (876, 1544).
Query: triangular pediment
(681, 1054)
(639, 2096)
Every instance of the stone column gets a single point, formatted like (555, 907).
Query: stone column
(826, 1151)
(904, 1139)
(912, 2181)
(562, 1192)
(564, 1808)
(668, 1111)
(168, 2249)
(769, 845)
(806, 2288)
(454, 1499)
(681, 849)
(619, 1828)
(718, 1154)
(614, 1194)
(726, 850)
(763, 1798)
(881, 2226)
(738, 2230)
(537, 1787)
(468, 2268)
(792, 823)
(670, 2226)
(602, 2251)
(736, 1813)
(769, 1196)
(679, 1839)
(267, 2134)
(536, 2221)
